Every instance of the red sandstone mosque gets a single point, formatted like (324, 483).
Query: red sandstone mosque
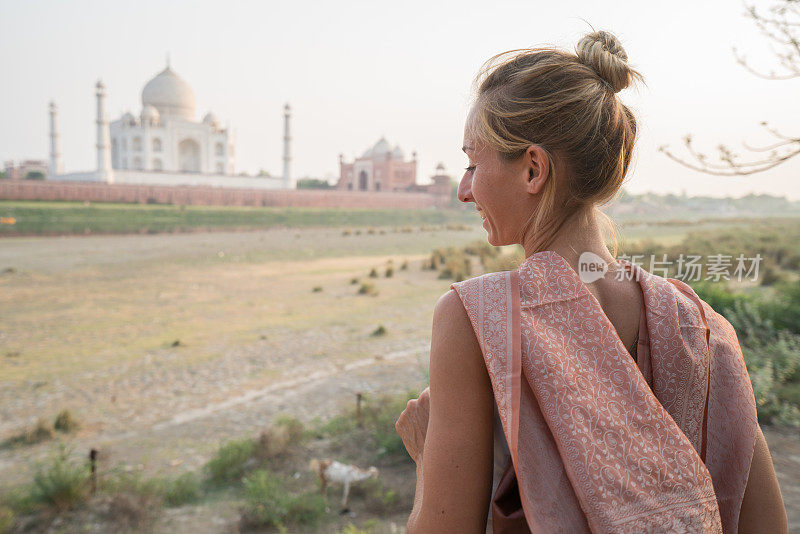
(383, 168)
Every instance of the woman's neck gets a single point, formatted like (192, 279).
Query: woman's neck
(578, 234)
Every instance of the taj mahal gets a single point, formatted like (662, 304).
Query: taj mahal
(165, 144)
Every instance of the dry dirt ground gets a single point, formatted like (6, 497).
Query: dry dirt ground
(89, 324)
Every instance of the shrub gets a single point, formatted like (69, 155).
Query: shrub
(380, 331)
(295, 427)
(404, 265)
(771, 276)
(268, 504)
(353, 281)
(134, 511)
(228, 464)
(380, 415)
(61, 484)
(338, 425)
(378, 499)
(284, 433)
(350, 528)
(66, 422)
(373, 273)
(181, 490)
(503, 262)
(7, 519)
(367, 289)
(389, 272)
(773, 362)
(316, 289)
(41, 431)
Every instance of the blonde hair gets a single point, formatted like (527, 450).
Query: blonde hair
(567, 104)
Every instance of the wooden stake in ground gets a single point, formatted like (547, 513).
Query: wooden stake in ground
(93, 468)
(358, 410)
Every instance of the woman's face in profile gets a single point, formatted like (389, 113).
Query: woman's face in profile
(492, 184)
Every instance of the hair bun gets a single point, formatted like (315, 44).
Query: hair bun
(602, 51)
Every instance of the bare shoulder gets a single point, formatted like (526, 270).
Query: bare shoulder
(455, 350)
(450, 320)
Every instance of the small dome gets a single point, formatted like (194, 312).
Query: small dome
(150, 114)
(398, 153)
(210, 119)
(128, 118)
(170, 95)
(440, 168)
(378, 149)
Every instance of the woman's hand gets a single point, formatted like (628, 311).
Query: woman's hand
(412, 425)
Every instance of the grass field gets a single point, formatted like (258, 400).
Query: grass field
(64, 218)
(90, 323)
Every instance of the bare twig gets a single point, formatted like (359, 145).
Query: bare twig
(782, 28)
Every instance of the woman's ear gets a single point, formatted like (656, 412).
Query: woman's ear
(537, 165)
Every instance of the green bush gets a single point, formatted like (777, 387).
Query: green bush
(268, 504)
(380, 331)
(367, 288)
(295, 427)
(337, 426)
(41, 431)
(181, 490)
(770, 346)
(368, 528)
(280, 438)
(61, 483)
(377, 498)
(380, 415)
(132, 483)
(7, 519)
(228, 464)
(772, 357)
(66, 422)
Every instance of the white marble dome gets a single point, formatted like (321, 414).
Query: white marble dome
(211, 119)
(150, 114)
(170, 95)
(128, 119)
(398, 153)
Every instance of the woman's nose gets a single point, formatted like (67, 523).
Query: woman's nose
(465, 189)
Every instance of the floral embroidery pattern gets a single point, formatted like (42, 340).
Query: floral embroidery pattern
(598, 449)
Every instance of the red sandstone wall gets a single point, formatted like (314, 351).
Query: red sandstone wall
(215, 196)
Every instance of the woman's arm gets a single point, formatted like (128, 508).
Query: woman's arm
(762, 507)
(457, 453)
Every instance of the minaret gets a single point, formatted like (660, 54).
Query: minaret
(287, 158)
(56, 166)
(103, 137)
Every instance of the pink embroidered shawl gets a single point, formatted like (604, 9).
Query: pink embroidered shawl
(598, 443)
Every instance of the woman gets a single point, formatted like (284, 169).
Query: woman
(619, 404)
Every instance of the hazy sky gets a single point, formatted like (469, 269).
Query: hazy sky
(354, 71)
